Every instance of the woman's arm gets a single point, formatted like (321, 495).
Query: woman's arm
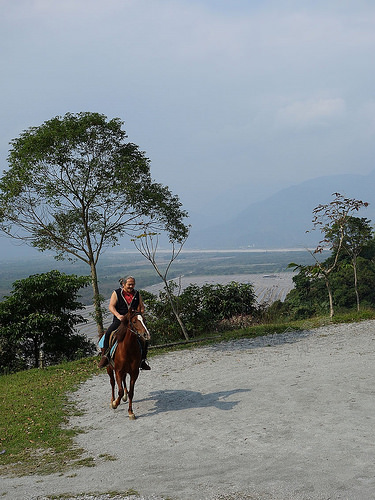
(112, 306)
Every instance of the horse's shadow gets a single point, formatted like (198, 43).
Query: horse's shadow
(174, 400)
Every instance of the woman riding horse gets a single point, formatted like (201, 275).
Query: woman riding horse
(123, 299)
(127, 358)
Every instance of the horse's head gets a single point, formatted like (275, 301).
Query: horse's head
(134, 322)
(138, 325)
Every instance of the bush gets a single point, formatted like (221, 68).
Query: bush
(39, 317)
(309, 297)
(201, 309)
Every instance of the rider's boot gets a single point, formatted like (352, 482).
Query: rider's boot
(144, 365)
(104, 359)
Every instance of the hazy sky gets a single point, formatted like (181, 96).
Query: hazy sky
(225, 97)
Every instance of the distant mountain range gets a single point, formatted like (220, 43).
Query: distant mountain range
(278, 221)
(281, 221)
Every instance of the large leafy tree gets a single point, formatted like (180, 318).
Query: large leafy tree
(39, 317)
(75, 186)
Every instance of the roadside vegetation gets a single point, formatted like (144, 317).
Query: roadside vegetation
(35, 407)
(38, 320)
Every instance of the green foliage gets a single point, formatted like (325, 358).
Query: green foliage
(92, 181)
(356, 234)
(343, 234)
(339, 228)
(309, 296)
(226, 301)
(333, 220)
(201, 309)
(39, 315)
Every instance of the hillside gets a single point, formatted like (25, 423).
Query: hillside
(281, 221)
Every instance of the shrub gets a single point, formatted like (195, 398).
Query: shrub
(201, 309)
(40, 317)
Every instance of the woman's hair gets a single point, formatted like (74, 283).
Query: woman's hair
(122, 281)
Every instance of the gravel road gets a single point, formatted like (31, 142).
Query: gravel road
(281, 417)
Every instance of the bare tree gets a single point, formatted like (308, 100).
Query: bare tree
(147, 244)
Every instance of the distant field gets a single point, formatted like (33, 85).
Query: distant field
(265, 269)
(267, 288)
(190, 264)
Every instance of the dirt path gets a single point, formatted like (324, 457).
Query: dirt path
(281, 417)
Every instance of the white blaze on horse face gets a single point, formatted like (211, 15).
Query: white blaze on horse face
(146, 335)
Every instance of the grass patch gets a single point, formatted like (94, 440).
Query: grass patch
(34, 409)
(35, 406)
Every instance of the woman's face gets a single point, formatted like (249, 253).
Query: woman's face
(129, 285)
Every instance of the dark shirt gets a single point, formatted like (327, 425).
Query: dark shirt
(122, 307)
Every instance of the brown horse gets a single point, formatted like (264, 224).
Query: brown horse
(127, 358)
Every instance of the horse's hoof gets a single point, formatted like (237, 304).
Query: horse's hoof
(131, 416)
(125, 398)
(114, 405)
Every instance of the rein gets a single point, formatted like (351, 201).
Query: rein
(136, 333)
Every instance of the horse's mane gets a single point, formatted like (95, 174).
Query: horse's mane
(121, 331)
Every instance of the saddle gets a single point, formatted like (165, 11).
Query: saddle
(113, 339)
(113, 345)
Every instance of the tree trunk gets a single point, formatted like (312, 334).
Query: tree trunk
(41, 358)
(356, 282)
(36, 346)
(175, 312)
(331, 311)
(97, 299)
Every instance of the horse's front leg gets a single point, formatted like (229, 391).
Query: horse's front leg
(133, 378)
(119, 379)
(112, 381)
(125, 396)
